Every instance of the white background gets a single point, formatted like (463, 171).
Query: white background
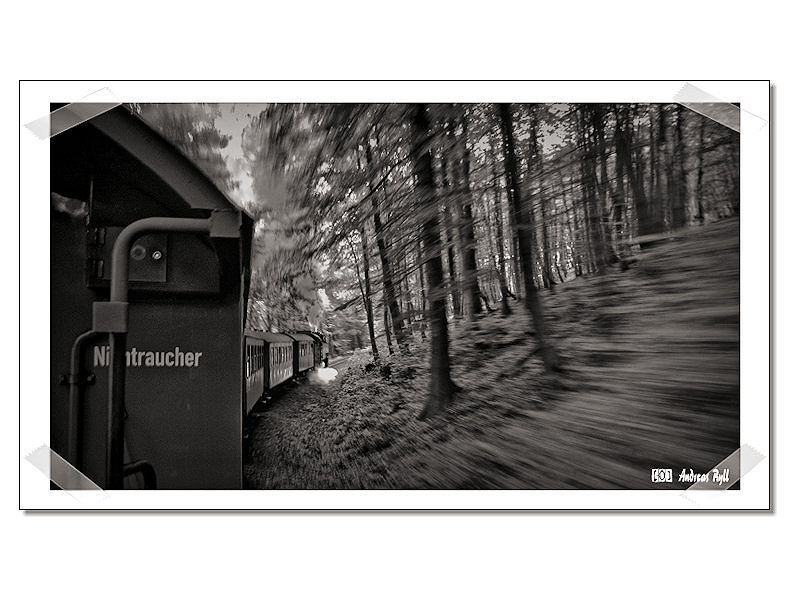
(673, 40)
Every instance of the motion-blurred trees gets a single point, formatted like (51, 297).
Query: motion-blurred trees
(191, 128)
(402, 221)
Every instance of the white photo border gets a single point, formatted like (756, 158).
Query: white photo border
(753, 99)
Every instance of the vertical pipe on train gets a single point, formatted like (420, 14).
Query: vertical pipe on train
(113, 317)
(75, 381)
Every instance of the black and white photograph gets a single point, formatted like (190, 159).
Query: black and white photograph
(316, 296)
(396, 295)
(353, 295)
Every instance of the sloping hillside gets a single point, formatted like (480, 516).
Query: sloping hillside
(650, 379)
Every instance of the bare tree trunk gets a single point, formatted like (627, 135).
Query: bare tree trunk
(622, 145)
(548, 280)
(442, 389)
(648, 224)
(586, 124)
(387, 331)
(680, 197)
(664, 172)
(386, 273)
(591, 259)
(571, 222)
(469, 258)
(449, 230)
(490, 228)
(368, 302)
(422, 290)
(550, 359)
(500, 239)
(364, 289)
(535, 170)
(407, 291)
(700, 171)
(515, 255)
(653, 172)
(604, 186)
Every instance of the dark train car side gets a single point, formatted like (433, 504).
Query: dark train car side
(270, 361)
(149, 275)
(304, 358)
(320, 348)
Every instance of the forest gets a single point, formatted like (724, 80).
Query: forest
(448, 239)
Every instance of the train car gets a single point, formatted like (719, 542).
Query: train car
(269, 361)
(303, 356)
(319, 354)
(280, 359)
(254, 368)
(149, 275)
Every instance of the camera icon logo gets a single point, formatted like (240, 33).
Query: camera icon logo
(661, 476)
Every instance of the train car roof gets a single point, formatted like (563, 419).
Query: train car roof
(269, 336)
(314, 335)
(120, 142)
(301, 337)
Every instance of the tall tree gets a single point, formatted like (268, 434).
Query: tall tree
(368, 297)
(535, 170)
(588, 119)
(599, 115)
(396, 316)
(469, 258)
(442, 389)
(622, 145)
(631, 161)
(680, 195)
(700, 171)
(500, 238)
(550, 359)
(450, 232)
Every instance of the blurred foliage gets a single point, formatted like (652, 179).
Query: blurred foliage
(328, 178)
(191, 128)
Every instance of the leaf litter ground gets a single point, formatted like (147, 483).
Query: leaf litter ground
(650, 379)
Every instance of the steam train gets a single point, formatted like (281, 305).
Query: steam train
(272, 359)
(151, 370)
